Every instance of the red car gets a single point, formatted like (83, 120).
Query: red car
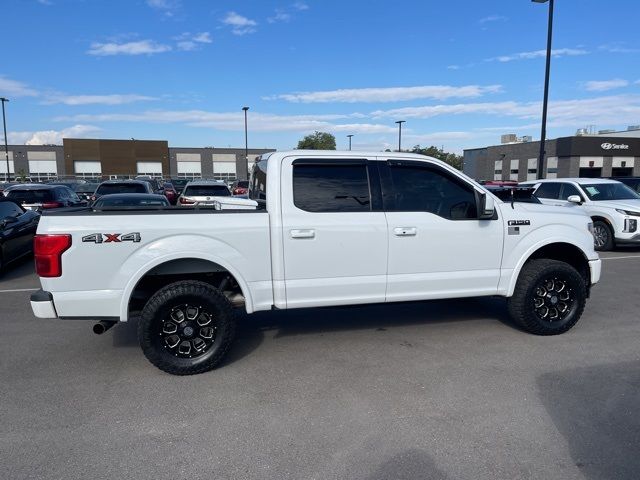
(501, 183)
(170, 192)
(240, 187)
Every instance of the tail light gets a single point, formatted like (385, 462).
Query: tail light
(51, 205)
(186, 201)
(48, 250)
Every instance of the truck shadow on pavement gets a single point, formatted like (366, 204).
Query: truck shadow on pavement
(597, 410)
(312, 321)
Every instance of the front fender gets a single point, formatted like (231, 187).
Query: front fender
(178, 247)
(533, 241)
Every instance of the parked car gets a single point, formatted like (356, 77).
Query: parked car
(240, 187)
(116, 200)
(179, 184)
(202, 193)
(613, 206)
(156, 184)
(170, 192)
(109, 187)
(17, 228)
(499, 183)
(340, 228)
(522, 194)
(38, 196)
(85, 190)
(631, 182)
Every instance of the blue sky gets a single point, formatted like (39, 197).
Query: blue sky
(460, 72)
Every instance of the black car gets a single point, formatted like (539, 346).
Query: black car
(37, 196)
(85, 190)
(121, 186)
(179, 184)
(632, 182)
(520, 194)
(132, 200)
(17, 228)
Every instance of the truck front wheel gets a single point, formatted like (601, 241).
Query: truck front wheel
(549, 297)
(186, 327)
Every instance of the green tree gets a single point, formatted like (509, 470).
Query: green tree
(435, 152)
(318, 141)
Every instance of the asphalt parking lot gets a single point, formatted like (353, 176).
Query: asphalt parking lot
(432, 390)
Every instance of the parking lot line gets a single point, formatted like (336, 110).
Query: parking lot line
(19, 290)
(619, 258)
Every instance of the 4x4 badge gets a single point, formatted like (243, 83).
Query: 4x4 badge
(112, 237)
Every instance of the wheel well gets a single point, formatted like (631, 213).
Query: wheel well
(185, 269)
(595, 218)
(565, 252)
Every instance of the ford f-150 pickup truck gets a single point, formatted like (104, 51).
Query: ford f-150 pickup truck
(328, 228)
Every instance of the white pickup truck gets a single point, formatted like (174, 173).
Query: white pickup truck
(330, 228)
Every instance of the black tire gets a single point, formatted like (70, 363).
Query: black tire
(603, 236)
(201, 307)
(541, 282)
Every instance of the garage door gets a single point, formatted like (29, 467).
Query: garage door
(224, 171)
(152, 169)
(3, 165)
(87, 168)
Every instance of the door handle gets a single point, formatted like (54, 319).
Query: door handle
(303, 233)
(405, 231)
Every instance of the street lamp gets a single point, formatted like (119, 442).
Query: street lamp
(543, 131)
(246, 143)
(6, 147)
(400, 122)
(350, 141)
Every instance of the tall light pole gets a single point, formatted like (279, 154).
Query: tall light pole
(6, 146)
(246, 142)
(543, 130)
(400, 122)
(350, 141)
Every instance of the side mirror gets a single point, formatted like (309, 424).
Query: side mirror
(486, 206)
(575, 199)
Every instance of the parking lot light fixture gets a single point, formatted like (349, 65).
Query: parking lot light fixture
(6, 146)
(543, 129)
(246, 142)
(400, 122)
(350, 136)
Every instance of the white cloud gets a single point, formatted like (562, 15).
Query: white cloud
(239, 25)
(604, 85)
(167, 7)
(45, 2)
(453, 67)
(429, 111)
(493, 18)
(560, 52)
(387, 94)
(189, 42)
(618, 47)
(13, 88)
(279, 16)
(141, 47)
(300, 6)
(113, 99)
(47, 137)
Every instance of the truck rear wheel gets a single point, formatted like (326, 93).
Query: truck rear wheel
(549, 297)
(186, 328)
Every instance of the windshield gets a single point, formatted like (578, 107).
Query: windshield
(107, 188)
(30, 196)
(207, 191)
(609, 191)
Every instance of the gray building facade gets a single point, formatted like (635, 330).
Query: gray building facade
(576, 156)
(37, 162)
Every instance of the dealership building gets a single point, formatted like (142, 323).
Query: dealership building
(96, 158)
(603, 154)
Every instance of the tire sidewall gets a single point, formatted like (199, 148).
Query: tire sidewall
(608, 245)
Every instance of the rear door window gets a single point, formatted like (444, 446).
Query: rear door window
(206, 191)
(331, 188)
(549, 191)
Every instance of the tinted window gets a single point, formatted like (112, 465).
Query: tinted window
(258, 183)
(417, 188)
(30, 196)
(331, 188)
(85, 187)
(108, 188)
(110, 201)
(609, 191)
(9, 209)
(206, 191)
(243, 184)
(549, 190)
(568, 190)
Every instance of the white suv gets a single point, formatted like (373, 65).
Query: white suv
(614, 207)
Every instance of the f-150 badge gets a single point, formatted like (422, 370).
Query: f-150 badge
(112, 237)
